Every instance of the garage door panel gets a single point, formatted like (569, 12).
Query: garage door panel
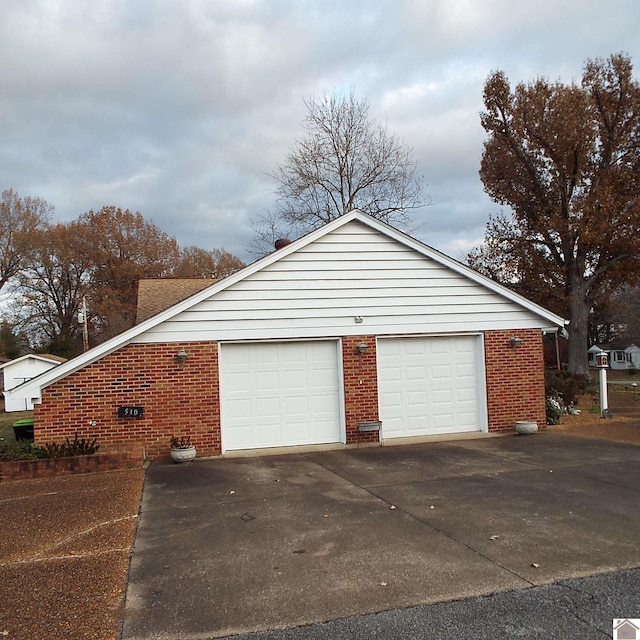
(467, 395)
(417, 397)
(442, 371)
(467, 419)
(239, 408)
(240, 379)
(263, 381)
(295, 380)
(416, 373)
(323, 378)
(442, 422)
(266, 408)
(466, 370)
(439, 347)
(296, 406)
(279, 394)
(429, 385)
(443, 396)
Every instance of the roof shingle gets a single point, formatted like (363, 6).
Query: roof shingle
(156, 295)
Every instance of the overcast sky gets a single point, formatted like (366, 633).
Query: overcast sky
(179, 109)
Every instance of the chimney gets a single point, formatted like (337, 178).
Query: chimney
(281, 242)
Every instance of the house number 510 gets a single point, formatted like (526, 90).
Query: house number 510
(130, 412)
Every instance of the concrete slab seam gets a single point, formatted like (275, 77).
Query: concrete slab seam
(430, 526)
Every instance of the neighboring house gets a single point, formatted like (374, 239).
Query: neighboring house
(158, 294)
(16, 372)
(3, 361)
(621, 355)
(353, 325)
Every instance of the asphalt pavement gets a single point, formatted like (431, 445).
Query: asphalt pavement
(486, 538)
(582, 609)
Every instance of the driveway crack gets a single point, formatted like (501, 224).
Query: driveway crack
(421, 521)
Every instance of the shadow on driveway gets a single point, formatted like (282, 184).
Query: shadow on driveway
(232, 545)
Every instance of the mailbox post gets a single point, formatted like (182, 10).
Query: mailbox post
(602, 362)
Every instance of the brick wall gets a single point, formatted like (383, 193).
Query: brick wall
(48, 467)
(184, 399)
(360, 387)
(178, 399)
(515, 379)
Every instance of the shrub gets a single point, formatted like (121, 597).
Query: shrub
(554, 410)
(21, 450)
(26, 450)
(75, 447)
(565, 386)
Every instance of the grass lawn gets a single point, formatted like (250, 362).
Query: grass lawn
(6, 423)
(622, 376)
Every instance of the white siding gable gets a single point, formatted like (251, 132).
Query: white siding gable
(353, 271)
(16, 373)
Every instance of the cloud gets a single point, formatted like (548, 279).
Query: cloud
(181, 109)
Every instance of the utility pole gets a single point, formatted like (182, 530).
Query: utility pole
(85, 326)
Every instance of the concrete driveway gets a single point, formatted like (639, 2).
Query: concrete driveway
(232, 545)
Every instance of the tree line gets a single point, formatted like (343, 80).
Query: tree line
(563, 159)
(50, 268)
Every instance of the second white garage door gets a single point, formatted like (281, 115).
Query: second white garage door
(279, 394)
(430, 386)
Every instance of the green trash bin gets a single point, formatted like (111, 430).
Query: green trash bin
(23, 429)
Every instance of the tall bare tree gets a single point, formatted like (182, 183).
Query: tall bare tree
(566, 160)
(344, 161)
(20, 219)
(51, 289)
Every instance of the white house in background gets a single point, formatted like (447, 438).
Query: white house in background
(620, 356)
(17, 371)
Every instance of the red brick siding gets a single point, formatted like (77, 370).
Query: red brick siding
(178, 399)
(515, 379)
(184, 399)
(360, 387)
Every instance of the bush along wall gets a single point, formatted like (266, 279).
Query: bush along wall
(23, 460)
(26, 450)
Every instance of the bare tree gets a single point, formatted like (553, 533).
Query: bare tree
(20, 219)
(50, 291)
(344, 161)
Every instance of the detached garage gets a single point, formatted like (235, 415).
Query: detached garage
(355, 334)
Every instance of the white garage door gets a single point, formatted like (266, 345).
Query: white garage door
(279, 394)
(430, 386)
